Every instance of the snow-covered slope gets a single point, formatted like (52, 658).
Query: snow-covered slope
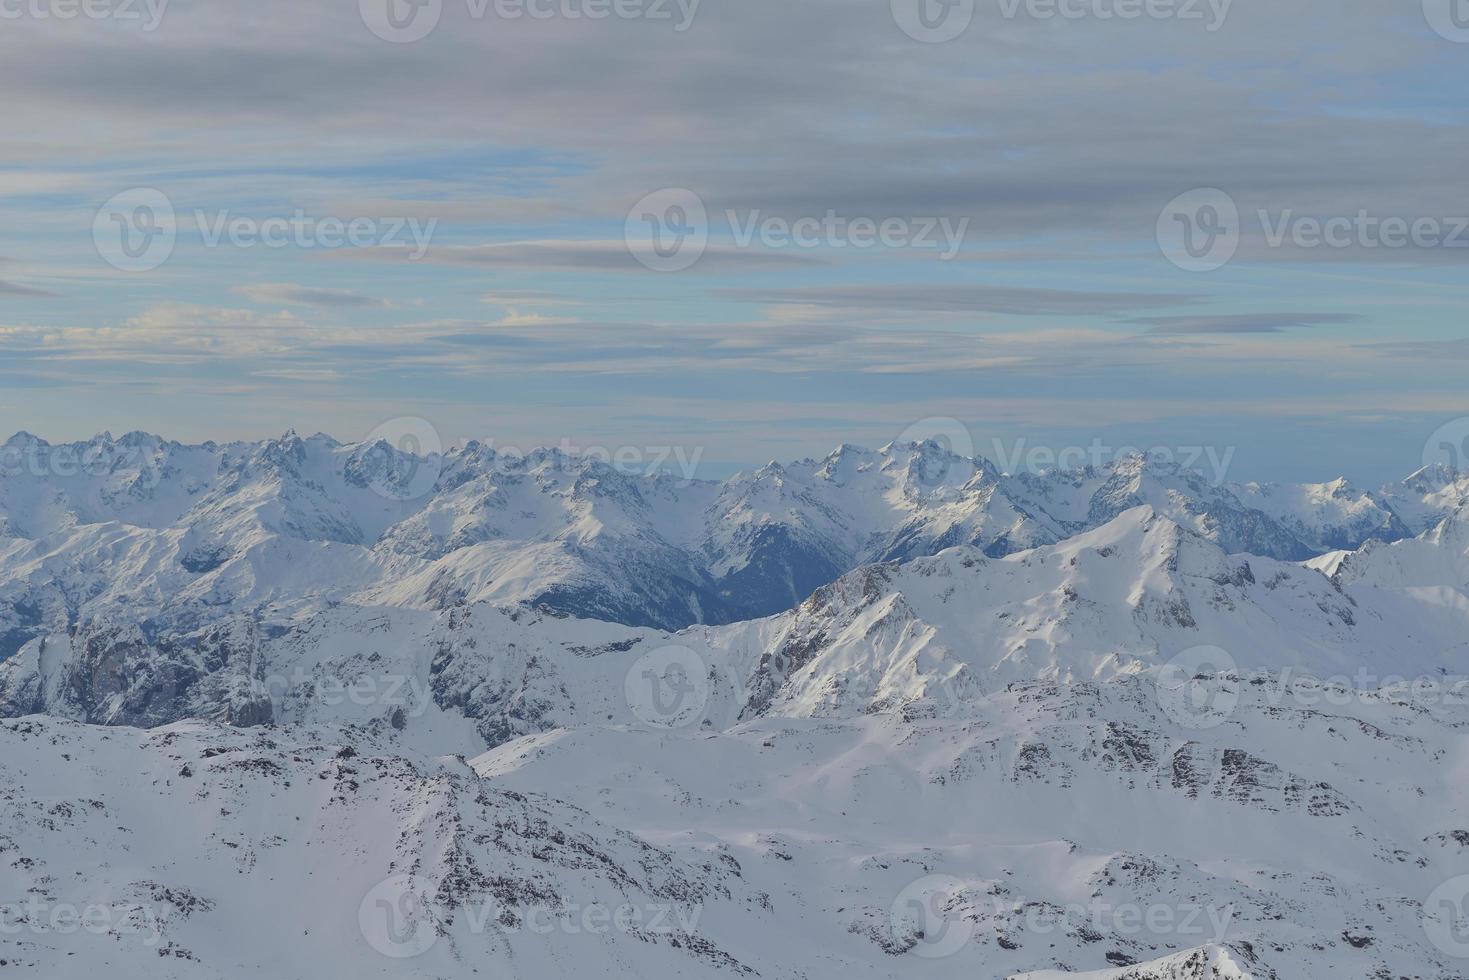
(1326, 516)
(202, 851)
(1047, 827)
(1122, 600)
(179, 535)
(1100, 723)
(1075, 827)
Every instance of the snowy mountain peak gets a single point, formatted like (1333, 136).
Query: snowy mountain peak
(25, 439)
(1434, 476)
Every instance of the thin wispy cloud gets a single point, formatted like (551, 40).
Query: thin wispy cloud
(962, 298)
(18, 289)
(293, 295)
(1244, 323)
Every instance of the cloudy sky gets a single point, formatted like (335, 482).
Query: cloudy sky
(1145, 222)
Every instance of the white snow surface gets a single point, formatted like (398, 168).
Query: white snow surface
(264, 717)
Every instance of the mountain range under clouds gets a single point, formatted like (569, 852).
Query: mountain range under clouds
(892, 712)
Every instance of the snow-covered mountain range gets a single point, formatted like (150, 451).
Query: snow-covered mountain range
(298, 708)
(180, 532)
